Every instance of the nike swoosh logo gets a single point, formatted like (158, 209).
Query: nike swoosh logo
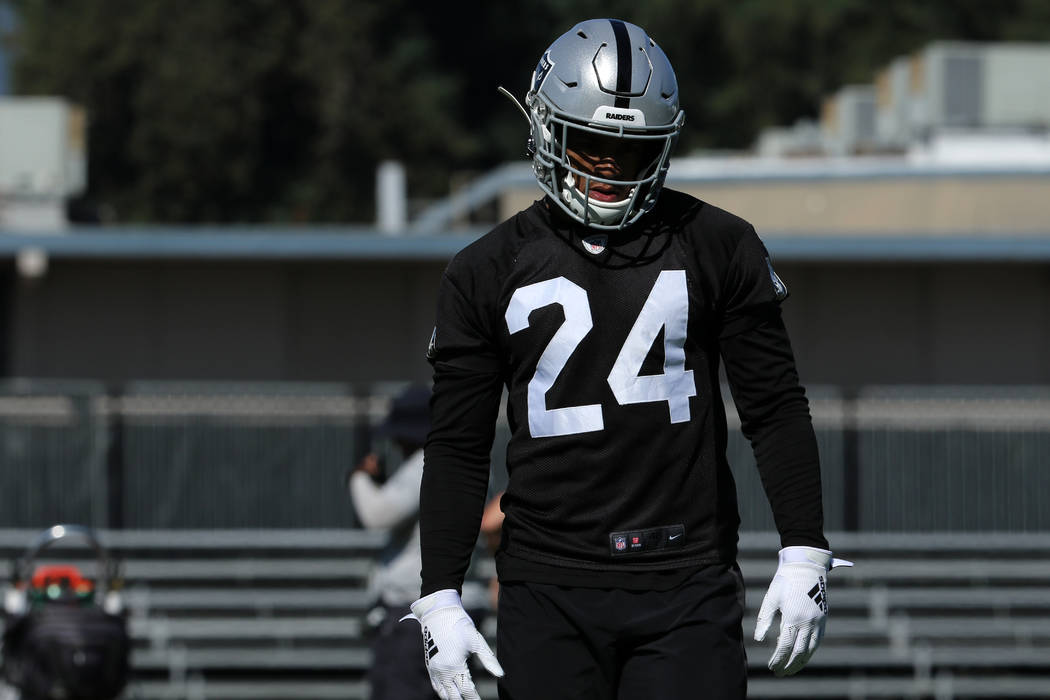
(674, 537)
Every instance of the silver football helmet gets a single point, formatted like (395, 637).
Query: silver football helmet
(604, 117)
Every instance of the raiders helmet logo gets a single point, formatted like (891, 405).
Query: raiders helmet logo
(542, 69)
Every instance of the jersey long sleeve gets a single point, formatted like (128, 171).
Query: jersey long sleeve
(774, 416)
(463, 407)
(774, 412)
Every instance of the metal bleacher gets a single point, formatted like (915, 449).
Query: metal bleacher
(280, 614)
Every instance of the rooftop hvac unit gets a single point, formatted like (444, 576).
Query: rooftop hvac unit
(959, 85)
(43, 149)
(1016, 90)
(952, 82)
(848, 120)
(43, 161)
(896, 106)
(801, 139)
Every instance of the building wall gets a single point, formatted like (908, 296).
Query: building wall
(920, 324)
(851, 324)
(213, 321)
(936, 206)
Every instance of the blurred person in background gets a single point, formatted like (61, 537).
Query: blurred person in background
(384, 490)
(386, 498)
(605, 309)
(491, 530)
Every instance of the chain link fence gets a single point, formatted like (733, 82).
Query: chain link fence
(164, 455)
(921, 459)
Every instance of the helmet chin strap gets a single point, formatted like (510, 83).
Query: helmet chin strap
(605, 213)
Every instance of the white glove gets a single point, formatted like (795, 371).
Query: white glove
(799, 592)
(449, 637)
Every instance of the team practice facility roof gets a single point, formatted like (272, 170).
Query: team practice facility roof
(872, 209)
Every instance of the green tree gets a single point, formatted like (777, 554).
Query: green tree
(243, 111)
(280, 110)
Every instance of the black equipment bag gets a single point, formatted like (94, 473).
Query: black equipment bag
(68, 651)
(62, 644)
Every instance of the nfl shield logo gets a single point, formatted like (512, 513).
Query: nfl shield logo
(621, 544)
(595, 244)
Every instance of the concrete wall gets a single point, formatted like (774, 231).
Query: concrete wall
(851, 324)
(935, 206)
(923, 324)
(271, 321)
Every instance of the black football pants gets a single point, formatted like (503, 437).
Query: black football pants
(397, 671)
(559, 643)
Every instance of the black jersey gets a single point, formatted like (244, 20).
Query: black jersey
(609, 346)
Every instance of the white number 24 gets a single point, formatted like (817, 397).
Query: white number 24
(667, 307)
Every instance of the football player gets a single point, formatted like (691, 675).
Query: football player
(605, 309)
